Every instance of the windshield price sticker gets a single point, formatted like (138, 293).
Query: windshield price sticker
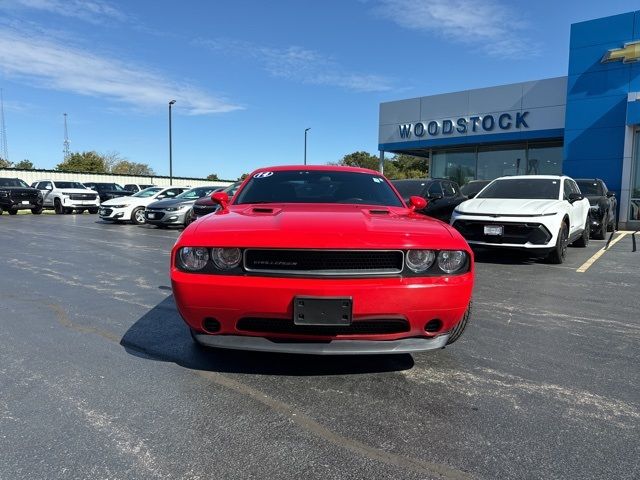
(263, 174)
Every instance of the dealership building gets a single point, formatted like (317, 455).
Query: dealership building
(585, 125)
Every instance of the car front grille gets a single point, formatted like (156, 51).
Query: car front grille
(200, 210)
(156, 214)
(106, 212)
(324, 262)
(362, 327)
(82, 196)
(515, 233)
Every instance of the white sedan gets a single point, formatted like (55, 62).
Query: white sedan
(132, 208)
(538, 213)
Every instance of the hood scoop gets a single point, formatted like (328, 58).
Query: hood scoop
(262, 211)
(379, 211)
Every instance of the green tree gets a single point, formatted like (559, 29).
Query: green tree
(4, 163)
(242, 177)
(24, 165)
(90, 162)
(125, 167)
(360, 159)
(213, 177)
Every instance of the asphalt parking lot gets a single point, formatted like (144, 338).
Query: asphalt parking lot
(99, 377)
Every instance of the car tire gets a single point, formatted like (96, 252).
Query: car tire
(12, 212)
(583, 241)
(137, 216)
(457, 331)
(68, 211)
(57, 206)
(559, 252)
(37, 210)
(189, 219)
(93, 211)
(1, 211)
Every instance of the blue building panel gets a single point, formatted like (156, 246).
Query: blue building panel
(589, 143)
(618, 28)
(602, 83)
(597, 112)
(588, 59)
(604, 168)
(633, 113)
(634, 78)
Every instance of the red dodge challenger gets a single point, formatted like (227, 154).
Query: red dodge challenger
(322, 260)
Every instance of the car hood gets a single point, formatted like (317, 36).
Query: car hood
(77, 190)
(20, 189)
(128, 201)
(322, 226)
(508, 206)
(170, 202)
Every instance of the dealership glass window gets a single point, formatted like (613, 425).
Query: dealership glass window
(544, 159)
(634, 207)
(497, 161)
(457, 165)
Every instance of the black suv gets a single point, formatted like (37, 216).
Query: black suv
(442, 195)
(107, 191)
(16, 195)
(603, 206)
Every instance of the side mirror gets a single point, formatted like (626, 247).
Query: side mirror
(48, 187)
(611, 194)
(574, 197)
(417, 203)
(221, 198)
(160, 197)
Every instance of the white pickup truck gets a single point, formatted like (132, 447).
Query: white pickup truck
(538, 213)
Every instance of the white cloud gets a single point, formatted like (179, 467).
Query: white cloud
(301, 65)
(489, 26)
(94, 11)
(50, 64)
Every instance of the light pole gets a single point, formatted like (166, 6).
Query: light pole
(170, 146)
(305, 144)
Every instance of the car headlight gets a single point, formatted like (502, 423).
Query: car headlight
(66, 193)
(226, 258)
(116, 206)
(193, 258)
(176, 209)
(452, 261)
(419, 260)
(4, 193)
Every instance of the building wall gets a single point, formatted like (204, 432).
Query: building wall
(596, 126)
(31, 176)
(540, 103)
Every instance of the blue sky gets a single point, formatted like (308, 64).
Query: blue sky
(249, 76)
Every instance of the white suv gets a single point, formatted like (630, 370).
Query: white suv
(539, 213)
(132, 208)
(65, 196)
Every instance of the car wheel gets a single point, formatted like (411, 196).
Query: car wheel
(12, 212)
(68, 211)
(57, 206)
(37, 210)
(602, 231)
(559, 252)
(189, 219)
(456, 333)
(583, 241)
(137, 216)
(93, 211)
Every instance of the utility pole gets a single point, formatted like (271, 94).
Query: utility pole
(4, 151)
(305, 144)
(170, 146)
(66, 142)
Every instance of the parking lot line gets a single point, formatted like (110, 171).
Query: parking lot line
(585, 266)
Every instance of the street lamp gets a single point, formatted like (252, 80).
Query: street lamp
(305, 144)
(170, 146)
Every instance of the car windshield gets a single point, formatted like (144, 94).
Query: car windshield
(144, 186)
(318, 186)
(148, 192)
(70, 185)
(108, 186)
(472, 188)
(196, 193)
(406, 188)
(525, 188)
(590, 187)
(12, 182)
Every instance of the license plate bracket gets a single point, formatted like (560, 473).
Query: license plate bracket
(334, 311)
(493, 230)
(25, 202)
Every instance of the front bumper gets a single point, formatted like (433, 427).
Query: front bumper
(163, 217)
(12, 204)
(68, 203)
(332, 347)
(230, 299)
(108, 213)
(528, 233)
